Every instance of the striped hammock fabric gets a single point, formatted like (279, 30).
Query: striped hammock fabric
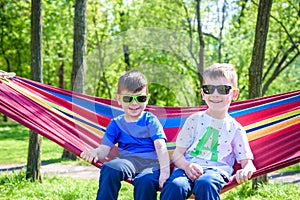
(77, 121)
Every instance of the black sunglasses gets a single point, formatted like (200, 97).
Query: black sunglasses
(142, 98)
(222, 89)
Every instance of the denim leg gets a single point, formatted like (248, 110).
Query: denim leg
(208, 186)
(178, 186)
(146, 185)
(111, 175)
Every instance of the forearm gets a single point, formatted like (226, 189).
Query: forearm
(164, 160)
(192, 170)
(102, 151)
(179, 160)
(93, 155)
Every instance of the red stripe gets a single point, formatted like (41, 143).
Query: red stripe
(267, 113)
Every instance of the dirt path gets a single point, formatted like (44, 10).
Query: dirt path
(91, 172)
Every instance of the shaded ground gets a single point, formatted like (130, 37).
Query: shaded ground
(91, 172)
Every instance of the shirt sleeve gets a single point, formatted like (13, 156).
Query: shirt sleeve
(111, 134)
(155, 128)
(241, 145)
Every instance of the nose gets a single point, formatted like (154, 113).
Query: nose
(134, 101)
(215, 92)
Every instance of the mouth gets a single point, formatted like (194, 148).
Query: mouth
(134, 108)
(215, 101)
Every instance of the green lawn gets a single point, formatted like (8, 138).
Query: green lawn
(13, 150)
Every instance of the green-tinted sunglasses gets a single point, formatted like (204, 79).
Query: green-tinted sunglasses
(126, 98)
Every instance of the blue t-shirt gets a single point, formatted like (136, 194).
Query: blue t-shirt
(135, 139)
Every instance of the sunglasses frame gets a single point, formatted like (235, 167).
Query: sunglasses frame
(134, 97)
(218, 89)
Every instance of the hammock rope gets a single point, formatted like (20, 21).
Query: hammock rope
(77, 121)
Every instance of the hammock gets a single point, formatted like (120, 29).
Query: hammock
(77, 121)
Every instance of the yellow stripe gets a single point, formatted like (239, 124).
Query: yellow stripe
(46, 104)
(271, 129)
(171, 144)
(269, 120)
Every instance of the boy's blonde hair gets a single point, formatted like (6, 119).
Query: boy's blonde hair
(132, 81)
(219, 70)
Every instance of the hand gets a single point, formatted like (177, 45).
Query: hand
(244, 174)
(193, 171)
(162, 178)
(89, 155)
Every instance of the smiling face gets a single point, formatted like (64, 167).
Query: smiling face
(133, 110)
(218, 104)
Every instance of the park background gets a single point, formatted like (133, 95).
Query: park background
(93, 42)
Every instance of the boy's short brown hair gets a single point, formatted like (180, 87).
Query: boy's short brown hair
(218, 70)
(132, 81)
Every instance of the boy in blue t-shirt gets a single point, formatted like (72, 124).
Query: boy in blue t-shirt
(141, 144)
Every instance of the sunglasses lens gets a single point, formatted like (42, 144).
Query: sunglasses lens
(208, 89)
(127, 99)
(139, 99)
(223, 89)
(142, 98)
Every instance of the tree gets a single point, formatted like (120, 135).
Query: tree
(79, 54)
(35, 140)
(258, 58)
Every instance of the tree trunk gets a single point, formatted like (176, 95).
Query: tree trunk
(61, 73)
(35, 140)
(126, 56)
(258, 53)
(79, 55)
(200, 65)
(257, 62)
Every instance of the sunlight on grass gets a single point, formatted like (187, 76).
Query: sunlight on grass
(265, 192)
(14, 145)
(51, 188)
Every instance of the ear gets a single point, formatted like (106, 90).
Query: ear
(202, 94)
(119, 99)
(235, 94)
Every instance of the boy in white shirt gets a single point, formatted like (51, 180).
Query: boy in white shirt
(210, 142)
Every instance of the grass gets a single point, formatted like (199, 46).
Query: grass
(13, 185)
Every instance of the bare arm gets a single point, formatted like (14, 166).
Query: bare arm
(244, 174)
(192, 170)
(164, 160)
(93, 155)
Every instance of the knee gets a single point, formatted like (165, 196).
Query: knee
(175, 189)
(177, 185)
(202, 182)
(110, 171)
(205, 184)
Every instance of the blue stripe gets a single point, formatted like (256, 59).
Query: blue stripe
(83, 121)
(265, 106)
(271, 123)
(169, 122)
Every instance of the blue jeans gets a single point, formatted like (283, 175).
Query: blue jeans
(206, 187)
(145, 182)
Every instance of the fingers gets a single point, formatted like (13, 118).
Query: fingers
(194, 171)
(89, 156)
(243, 176)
